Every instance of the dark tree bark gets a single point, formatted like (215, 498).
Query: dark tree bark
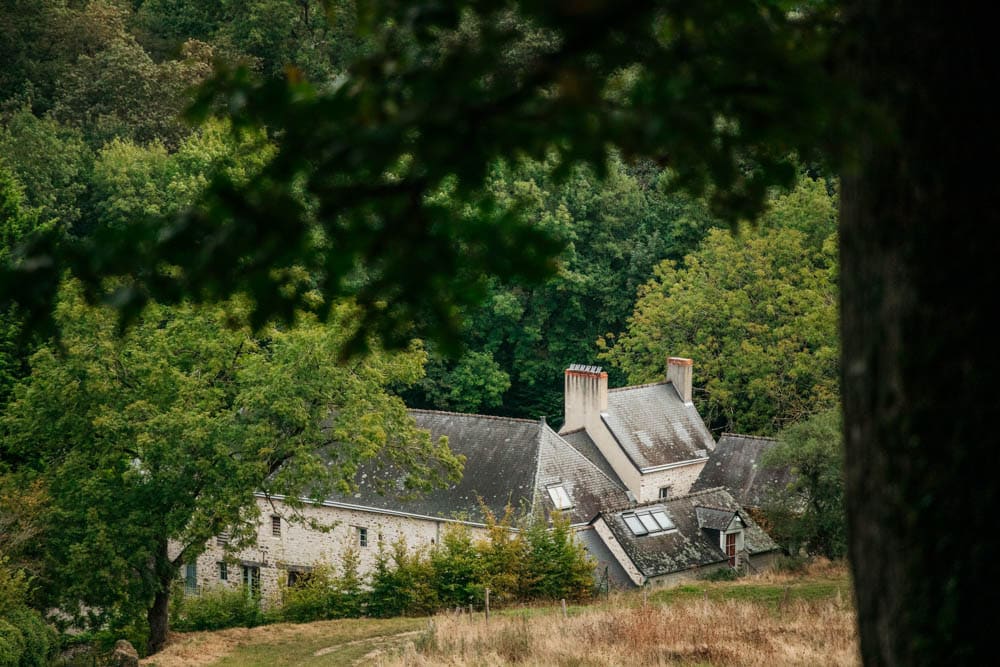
(158, 614)
(920, 364)
(158, 621)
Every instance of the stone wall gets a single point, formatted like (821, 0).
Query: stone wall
(679, 479)
(300, 547)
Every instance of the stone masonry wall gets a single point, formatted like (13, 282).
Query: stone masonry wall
(299, 546)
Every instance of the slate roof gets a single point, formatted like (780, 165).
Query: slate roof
(605, 561)
(507, 461)
(714, 518)
(690, 545)
(655, 427)
(582, 442)
(589, 487)
(501, 462)
(736, 465)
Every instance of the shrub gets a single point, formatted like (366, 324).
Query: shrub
(40, 640)
(25, 638)
(504, 559)
(558, 564)
(12, 644)
(456, 571)
(402, 583)
(218, 608)
(324, 595)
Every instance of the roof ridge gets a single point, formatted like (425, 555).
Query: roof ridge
(703, 492)
(472, 414)
(717, 509)
(744, 435)
(637, 386)
(576, 430)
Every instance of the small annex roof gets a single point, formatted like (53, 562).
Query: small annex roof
(690, 545)
(655, 427)
(714, 518)
(500, 468)
(736, 464)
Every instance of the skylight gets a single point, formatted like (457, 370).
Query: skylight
(648, 522)
(559, 497)
(635, 525)
(664, 520)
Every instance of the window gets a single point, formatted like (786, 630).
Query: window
(635, 525)
(251, 579)
(664, 492)
(191, 576)
(223, 570)
(222, 539)
(362, 537)
(559, 497)
(648, 522)
(731, 548)
(276, 526)
(297, 578)
(663, 520)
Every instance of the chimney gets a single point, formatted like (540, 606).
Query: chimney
(585, 395)
(679, 374)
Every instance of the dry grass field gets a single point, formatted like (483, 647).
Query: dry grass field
(771, 619)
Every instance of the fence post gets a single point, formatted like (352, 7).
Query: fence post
(564, 608)
(487, 604)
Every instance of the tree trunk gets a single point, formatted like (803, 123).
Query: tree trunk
(158, 615)
(920, 372)
(159, 620)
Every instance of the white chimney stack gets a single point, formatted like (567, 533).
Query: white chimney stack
(679, 371)
(585, 395)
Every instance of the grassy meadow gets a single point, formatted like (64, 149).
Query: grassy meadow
(770, 619)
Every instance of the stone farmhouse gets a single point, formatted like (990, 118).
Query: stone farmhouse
(624, 468)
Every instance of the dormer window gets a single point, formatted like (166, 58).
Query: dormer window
(648, 522)
(560, 499)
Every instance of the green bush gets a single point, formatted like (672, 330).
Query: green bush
(40, 640)
(26, 640)
(324, 595)
(402, 583)
(456, 571)
(558, 564)
(218, 608)
(12, 645)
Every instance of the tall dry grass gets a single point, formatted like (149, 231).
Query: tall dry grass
(691, 633)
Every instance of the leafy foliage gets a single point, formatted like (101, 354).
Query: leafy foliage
(391, 158)
(810, 513)
(614, 231)
(215, 609)
(325, 594)
(172, 428)
(757, 312)
(25, 639)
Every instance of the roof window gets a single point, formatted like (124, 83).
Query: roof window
(649, 522)
(559, 497)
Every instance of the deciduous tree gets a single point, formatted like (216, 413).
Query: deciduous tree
(161, 438)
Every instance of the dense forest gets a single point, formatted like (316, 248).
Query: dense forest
(100, 136)
(93, 139)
